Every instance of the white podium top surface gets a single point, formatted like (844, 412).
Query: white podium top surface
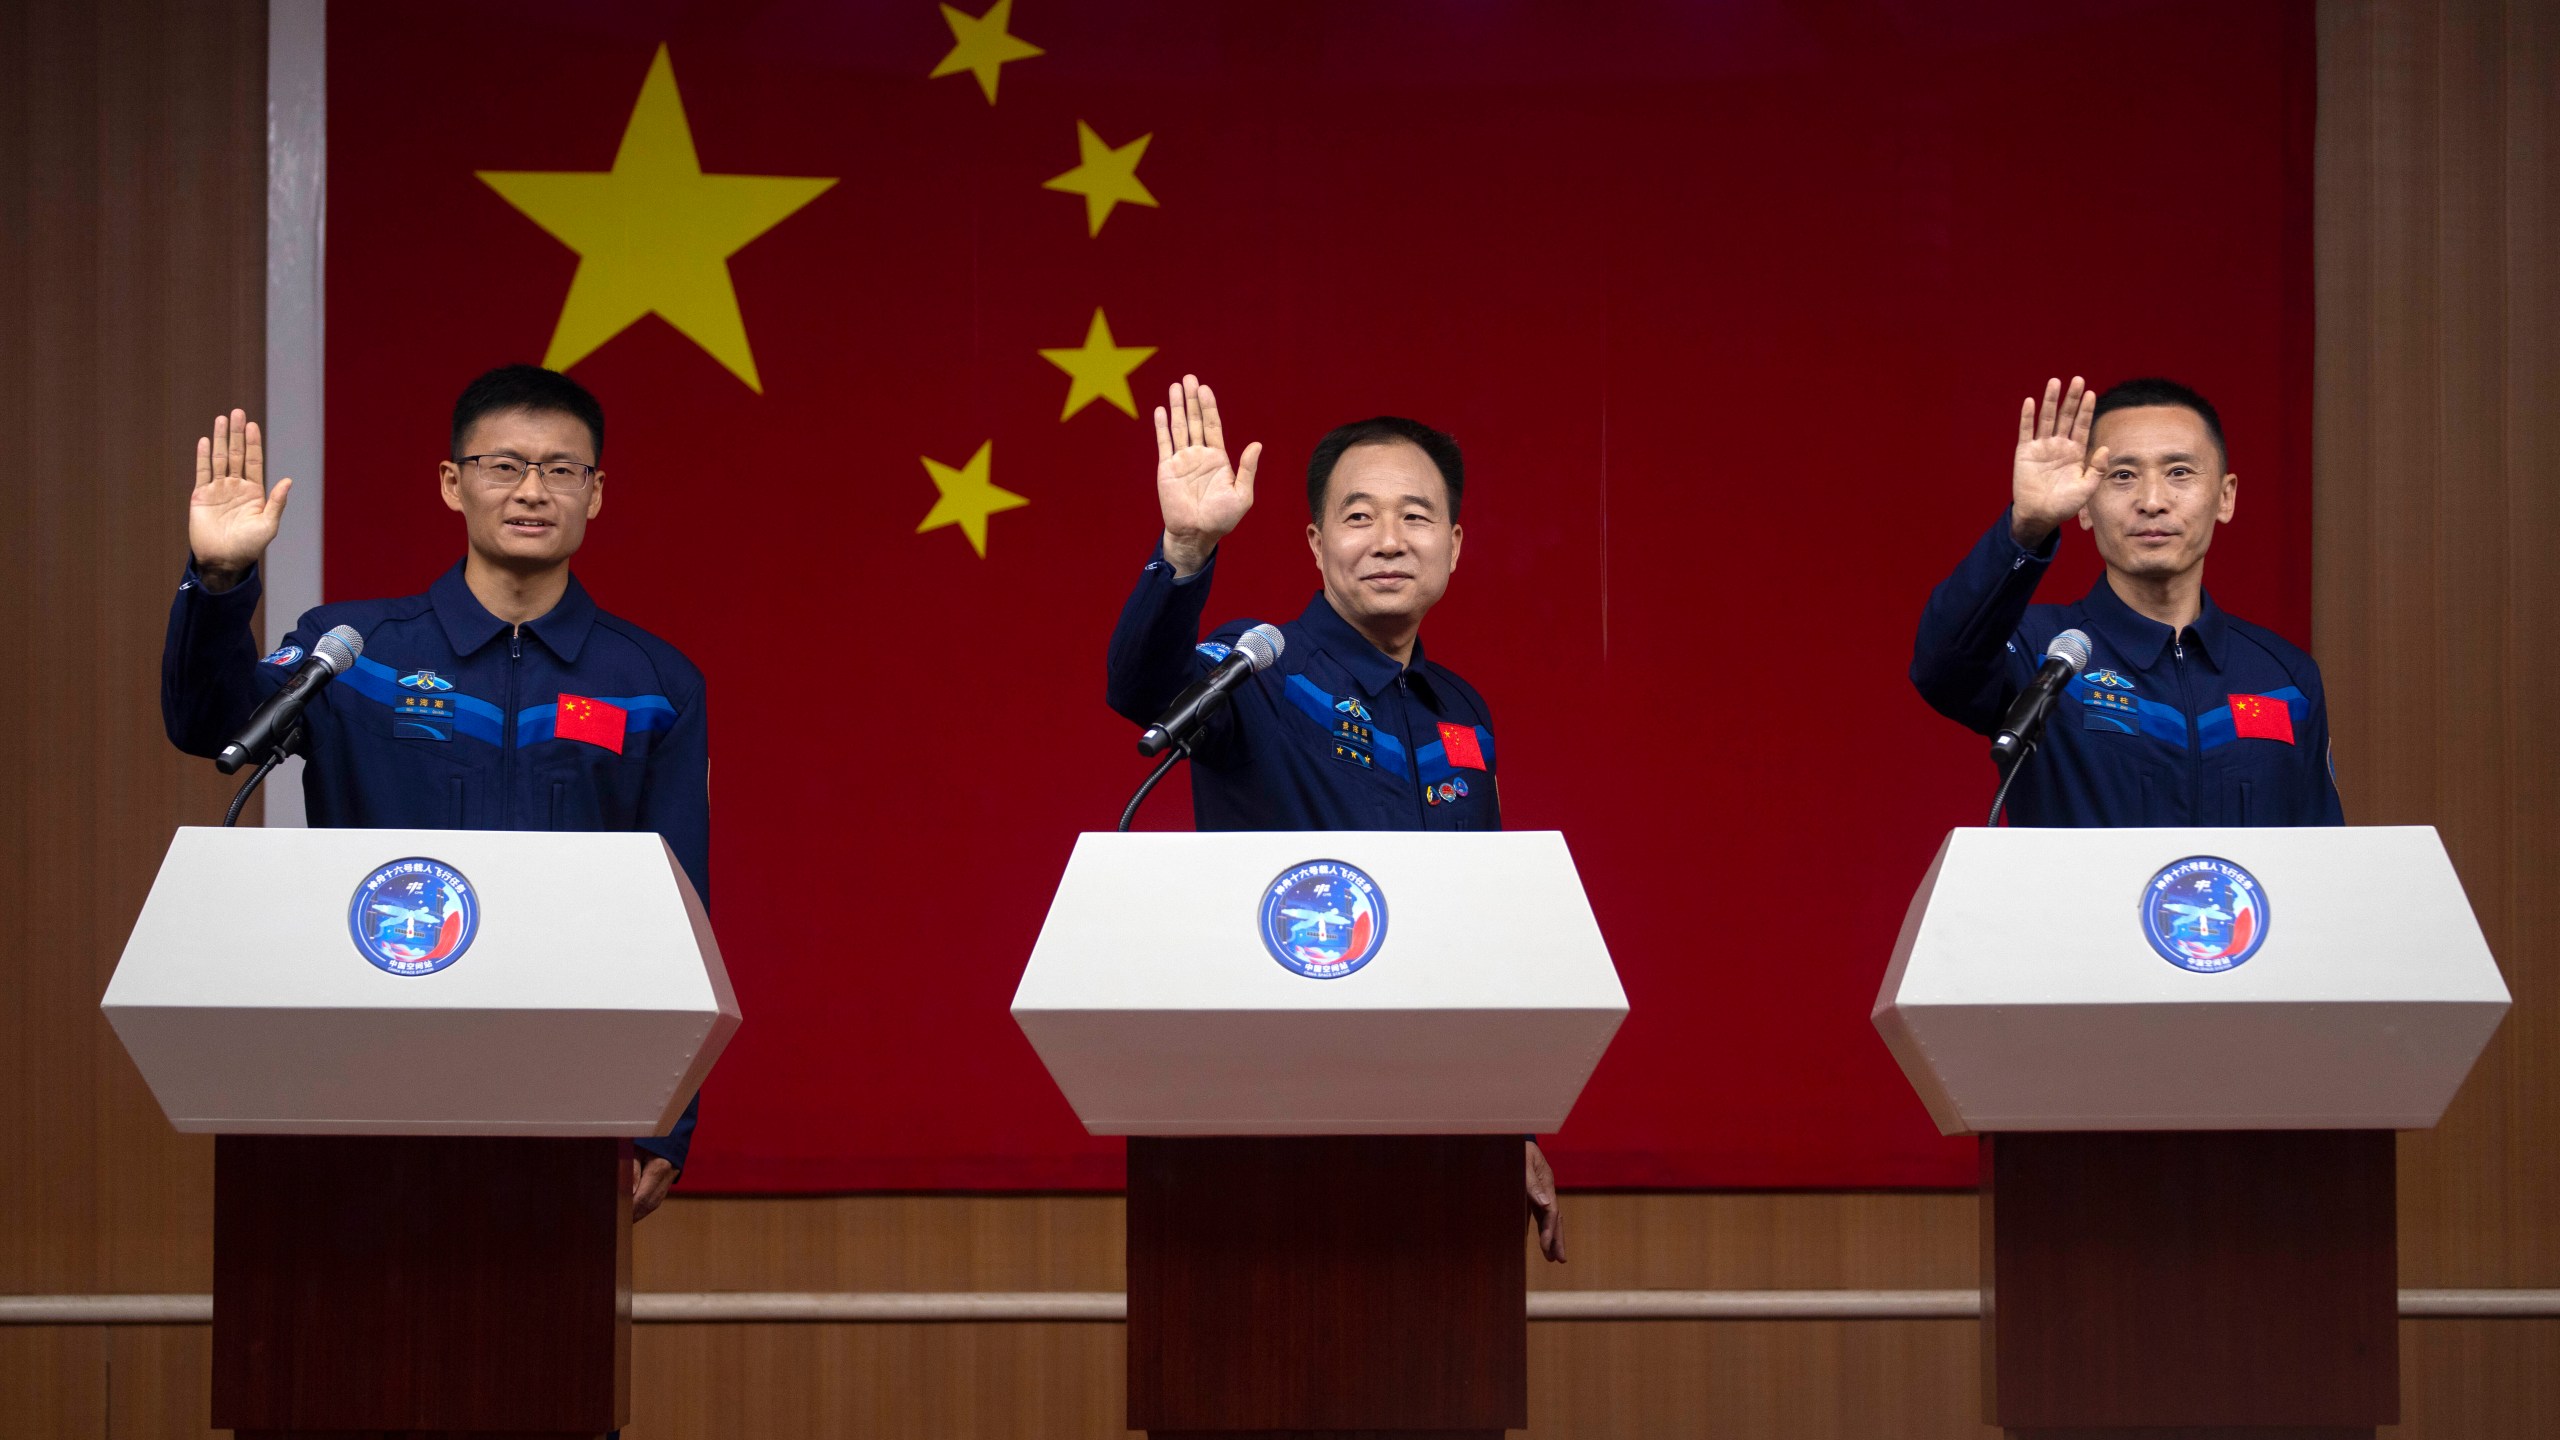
(590, 998)
(1159, 1008)
(2027, 990)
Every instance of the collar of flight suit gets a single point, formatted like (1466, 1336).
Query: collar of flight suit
(468, 625)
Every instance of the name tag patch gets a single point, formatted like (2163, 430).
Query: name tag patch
(2111, 711)
(421, 717)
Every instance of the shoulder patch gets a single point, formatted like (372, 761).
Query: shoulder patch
(284, 655)
(1215, 651)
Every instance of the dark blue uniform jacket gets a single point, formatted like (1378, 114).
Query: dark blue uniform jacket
(2145, 735)
(446, 721)
(1335, 736)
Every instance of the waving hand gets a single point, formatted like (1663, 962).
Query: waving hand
(1203, 498)
(2054, 472)
(232, 517)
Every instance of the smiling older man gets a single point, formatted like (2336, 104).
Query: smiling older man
(1352, 728)
(2184, 715)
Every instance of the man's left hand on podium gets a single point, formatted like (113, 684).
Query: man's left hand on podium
(649, 1184)
(1544, 1205)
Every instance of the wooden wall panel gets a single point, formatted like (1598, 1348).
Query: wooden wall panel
(132, 301)
(2437, 545)
(131, 205)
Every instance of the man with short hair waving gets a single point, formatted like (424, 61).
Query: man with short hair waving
(501, 699)
(1352, 728)
(2184, 715)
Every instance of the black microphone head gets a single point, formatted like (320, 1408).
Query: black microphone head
(339, 648)
(2071, 648)
(1262, 644)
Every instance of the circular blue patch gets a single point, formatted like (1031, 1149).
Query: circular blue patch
(1323, 919)
(414, 916)
(284, 655)
(2205, 914)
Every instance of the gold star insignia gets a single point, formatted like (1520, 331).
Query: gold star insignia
(968, 497)
(981, 46)
(1103, 176)
(1100, 370)
(654, 234)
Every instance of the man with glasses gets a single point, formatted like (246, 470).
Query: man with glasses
(501, 699)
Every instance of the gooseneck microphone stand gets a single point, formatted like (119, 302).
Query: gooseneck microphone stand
(1181, 750)
(2001, 796)
(275, 756)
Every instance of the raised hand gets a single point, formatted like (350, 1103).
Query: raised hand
(2055, 472)
(232, 517)
(1202, 496)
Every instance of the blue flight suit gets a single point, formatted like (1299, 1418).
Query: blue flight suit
(447, 721)
(1335, 735)
(2145, 734)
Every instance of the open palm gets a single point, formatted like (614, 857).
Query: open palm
(1202, 496)
(2054, 472)
(232, 516)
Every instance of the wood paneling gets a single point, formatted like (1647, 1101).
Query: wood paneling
(2437, 546)
(422, 1282)
(131, 308)
(1326, 1282)
(2122, 1267)
(131, 208)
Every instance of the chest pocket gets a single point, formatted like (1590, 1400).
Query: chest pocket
(1343, 730)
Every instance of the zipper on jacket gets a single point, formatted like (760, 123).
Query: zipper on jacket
(507, 755)
(2195, 747)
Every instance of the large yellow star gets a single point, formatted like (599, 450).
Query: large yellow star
(968, 497)
(1103, 176)
(654, 234)
(1099, 371)
(981, 46)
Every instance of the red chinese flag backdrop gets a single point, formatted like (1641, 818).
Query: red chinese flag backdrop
(1731, 306)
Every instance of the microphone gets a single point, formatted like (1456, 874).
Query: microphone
(272, 723)
(1255, 650)
(2024, 723)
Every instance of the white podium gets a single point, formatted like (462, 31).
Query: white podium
(1325, 1046)
(1158, 1008)
(420, 1050)
(2187, 1052)
(591, 1001)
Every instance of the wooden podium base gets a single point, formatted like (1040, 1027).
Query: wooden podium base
(2142, 1286)
(420, 1286)
(1342, 1286)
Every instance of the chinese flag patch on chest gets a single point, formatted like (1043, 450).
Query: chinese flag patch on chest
(1459, 741)
(2261, 717)
(596, 722)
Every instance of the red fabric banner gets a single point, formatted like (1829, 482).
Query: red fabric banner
(1730, 305)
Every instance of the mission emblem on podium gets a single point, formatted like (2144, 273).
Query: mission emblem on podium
(2205, 914)
(1323, 919)
(414, 916)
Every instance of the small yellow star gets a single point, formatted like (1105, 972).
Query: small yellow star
(981, 46)
(968, 497)
(654, 234)
(1100, 370)
(1103, 176)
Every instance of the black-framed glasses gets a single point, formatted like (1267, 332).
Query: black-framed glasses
(506, 472)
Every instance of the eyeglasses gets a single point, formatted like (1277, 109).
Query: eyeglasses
(506, 472)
